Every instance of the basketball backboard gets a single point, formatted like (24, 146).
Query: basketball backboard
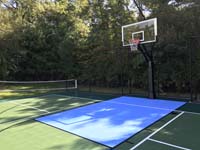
(146, 31)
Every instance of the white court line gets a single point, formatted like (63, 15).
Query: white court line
(171, 145)
(24, 99)
(148, 137)
(28, 118)
(107, 101)
(60, 95)
(188, 112)
(23, 119)
(41, 110)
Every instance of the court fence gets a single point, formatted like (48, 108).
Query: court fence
(121, 72)
(176, 73)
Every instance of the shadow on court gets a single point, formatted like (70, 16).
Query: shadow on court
(14, 112)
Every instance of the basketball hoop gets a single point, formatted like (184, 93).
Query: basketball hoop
(134, 44)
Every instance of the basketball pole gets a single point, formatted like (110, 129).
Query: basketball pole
(149, 59)
(190, 68)
(151, 81)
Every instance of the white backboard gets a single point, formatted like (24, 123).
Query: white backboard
(146, 31)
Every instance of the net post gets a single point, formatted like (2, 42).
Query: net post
(76, 84)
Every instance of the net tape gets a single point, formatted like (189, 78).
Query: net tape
(36, 82)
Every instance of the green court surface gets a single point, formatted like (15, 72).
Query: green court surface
(19, 130)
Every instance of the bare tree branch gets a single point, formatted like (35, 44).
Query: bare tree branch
(4, 4)
(140, 9)
(7, 6)
(126, 6)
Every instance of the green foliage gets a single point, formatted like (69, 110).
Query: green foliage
(44, 40)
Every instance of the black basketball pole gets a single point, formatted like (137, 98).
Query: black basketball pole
(149, 59)
(151, 93)
(190, 68)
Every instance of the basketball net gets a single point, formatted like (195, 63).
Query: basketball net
(134, 44)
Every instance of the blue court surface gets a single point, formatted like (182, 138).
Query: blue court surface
(111, 122)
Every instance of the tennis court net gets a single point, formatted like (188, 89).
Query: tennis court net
(31, 86)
